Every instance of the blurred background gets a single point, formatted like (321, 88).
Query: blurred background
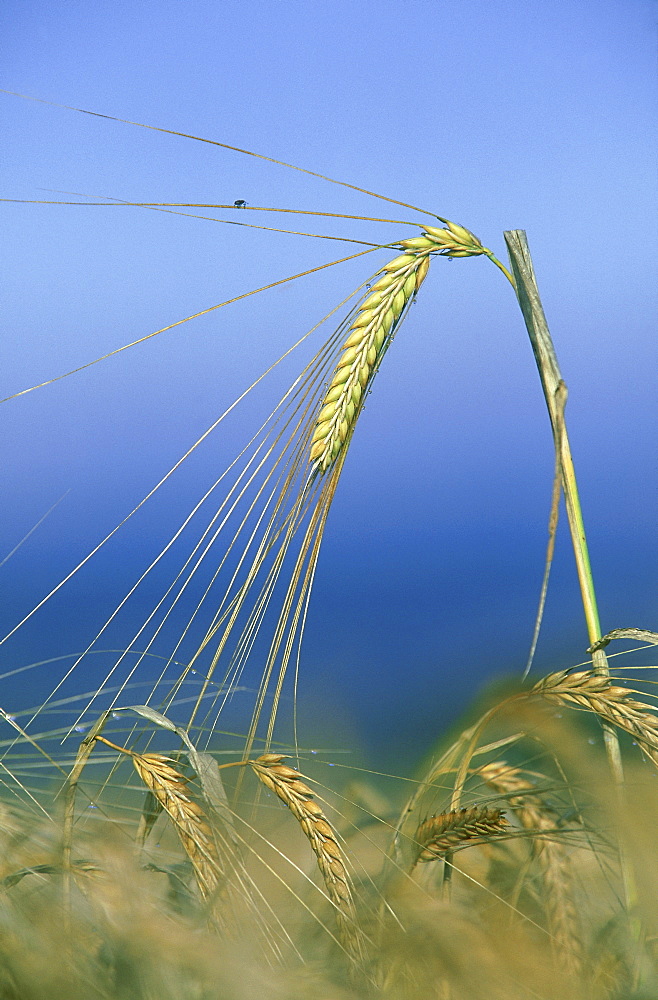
(498, 115)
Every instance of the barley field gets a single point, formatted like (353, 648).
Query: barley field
(308, 682)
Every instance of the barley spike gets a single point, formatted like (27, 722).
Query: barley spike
(169, 788)
(594, 692)
(440, 834)
(372, 330)
(536, 816)
(298, 797)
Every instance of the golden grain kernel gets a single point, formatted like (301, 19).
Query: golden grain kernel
(421, 272)
(398, 303)
(372, 301)
(382, 283)
(332, 849)
(340, 376)
(300, 788)
(323, 865)
(326, 413)
(308, 826)
(387, 322)
(404, 260)
(439, 234)
(322, 827)
(354, 338)
(463, 235)
(363, 319)
(337, 869)
(284, 771)
(267, 780)
(321, 432)
(334, 393)
(347, 357)
(417, 243)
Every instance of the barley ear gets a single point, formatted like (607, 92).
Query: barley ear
(594, 692)
(287, 783)
(82, 756)
(370, 333)
(537, 817)
(439, 835)
(169, 787)
(372, 330)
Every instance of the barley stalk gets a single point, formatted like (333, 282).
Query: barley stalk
(169, 788)
(594, 692)
(372, 330)
(536, 816)
(555, 392)
(440, 834)
(286, 782)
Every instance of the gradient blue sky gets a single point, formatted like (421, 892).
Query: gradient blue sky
(499, 115)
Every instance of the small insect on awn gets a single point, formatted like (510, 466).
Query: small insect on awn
(240, 203)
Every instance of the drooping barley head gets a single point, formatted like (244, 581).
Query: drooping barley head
(372, 331)
(438, 835)
(537, 816)
(587, 689)
(287, 783)
(169, 788)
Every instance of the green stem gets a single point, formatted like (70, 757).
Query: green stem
(555, 392)
(494, 260)
(575, 515)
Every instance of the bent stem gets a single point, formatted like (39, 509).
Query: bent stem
(555, 392)
(494, 260)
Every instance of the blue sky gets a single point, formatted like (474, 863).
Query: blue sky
(499, 115)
